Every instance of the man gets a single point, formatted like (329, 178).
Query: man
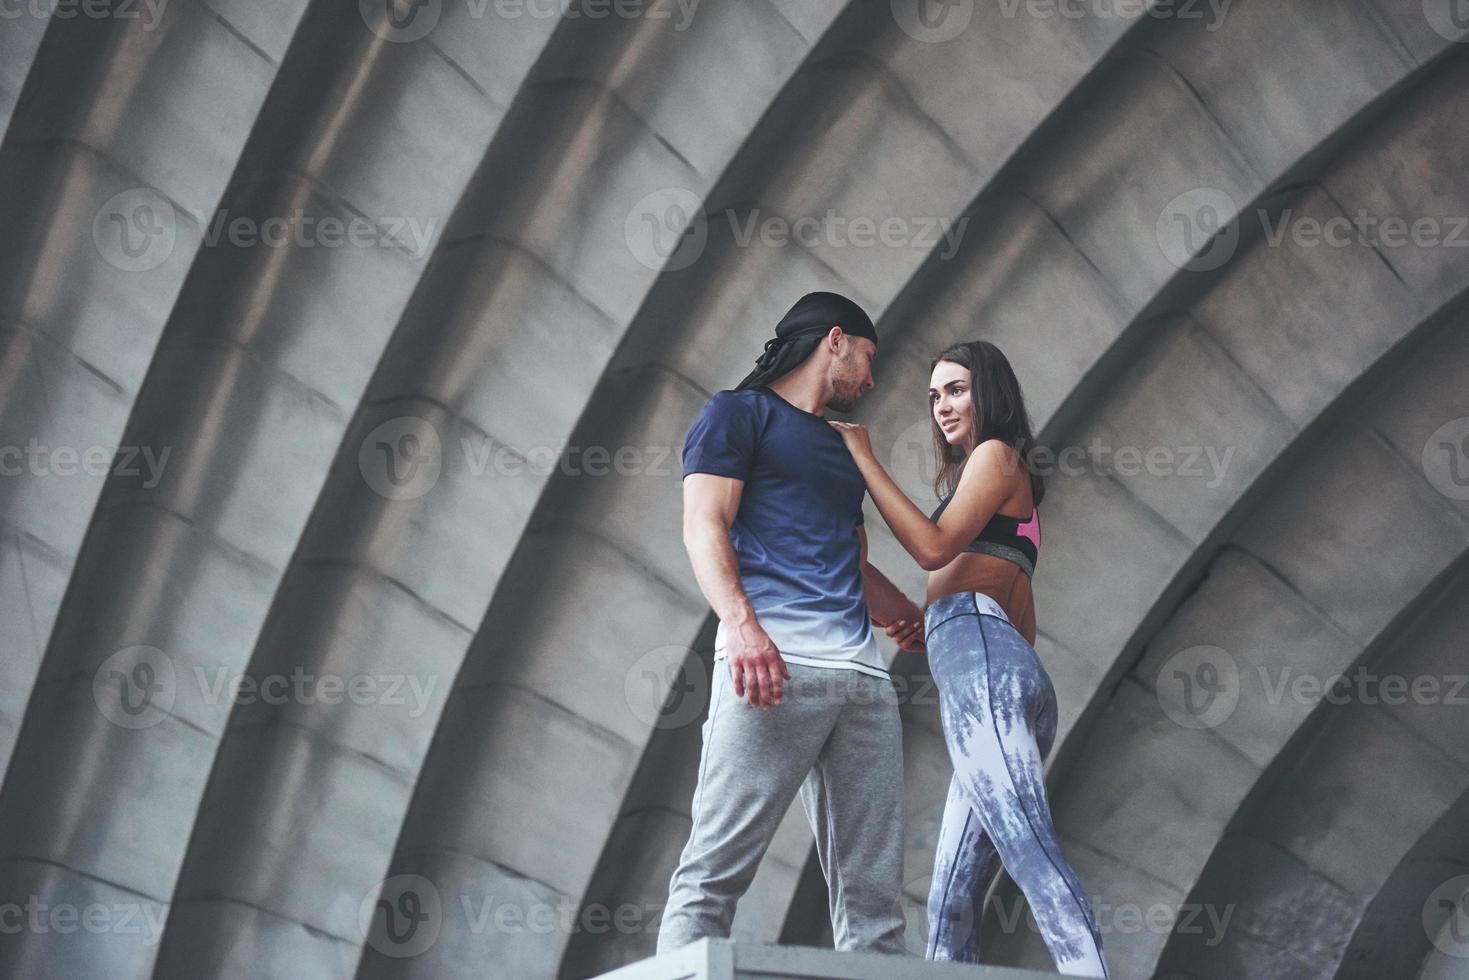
(773, 527)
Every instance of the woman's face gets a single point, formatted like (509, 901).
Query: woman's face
(949, 402)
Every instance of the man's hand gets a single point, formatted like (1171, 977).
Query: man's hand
(755, 664)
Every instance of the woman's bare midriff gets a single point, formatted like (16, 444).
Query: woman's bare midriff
(1001, 580)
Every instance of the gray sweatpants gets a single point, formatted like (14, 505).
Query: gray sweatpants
(837, 738)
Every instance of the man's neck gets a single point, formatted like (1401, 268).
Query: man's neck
(804, 391)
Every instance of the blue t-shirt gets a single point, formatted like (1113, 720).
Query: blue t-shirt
(795, 534)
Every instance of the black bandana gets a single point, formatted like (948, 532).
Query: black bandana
(801, 330)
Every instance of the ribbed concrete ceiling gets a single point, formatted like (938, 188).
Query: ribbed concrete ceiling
(558, 234)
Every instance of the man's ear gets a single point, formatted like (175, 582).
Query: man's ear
(836, 336)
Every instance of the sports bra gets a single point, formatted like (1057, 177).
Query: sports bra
(1012, 538)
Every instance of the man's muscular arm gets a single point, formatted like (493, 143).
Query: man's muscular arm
(710, 505)
(890, 608)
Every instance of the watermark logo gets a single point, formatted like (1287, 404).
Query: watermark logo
(296, 228)
(1200, 230)
(136, 230)
(407, 913)
(962, 918)
(1365, 230)
(482, 455)
(667, 687)
(1450, 935)
(1157, 918)
(401, 917)
(138, 685)
(401, 21)
(912, 462)
(930, 234)
(667, 230)
(1215, 11)
(933, 21)
(401, 459)
(1196, 230)
(1446, 459)
(1448, 18)
(1198, 687)
(913, 450)
(135, 687)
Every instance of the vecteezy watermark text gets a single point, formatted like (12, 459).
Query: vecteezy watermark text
(405, 914)
(138, 686)
(403, 21)
(1211, 12)
(137, 230)
(936, 21)
(1361, 685)
(1200, 229)
(93, 918)
(1201, 686)
(149, 13)
(668, 230)
(36, 459)
(403, 458)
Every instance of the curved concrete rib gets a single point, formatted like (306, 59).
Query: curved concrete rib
(385, 584)
(1375, 775)
(692, 335)
(266, 347)
(654, 815)
(19, 43)
(1406, 926)
(1032, 289)
(1137, 811)
(118, 190)
(1025, 53)
(538, 788)
(1003, 252)
(1245, 346)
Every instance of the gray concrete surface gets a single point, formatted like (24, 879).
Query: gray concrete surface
(723, 959)
(381, 459)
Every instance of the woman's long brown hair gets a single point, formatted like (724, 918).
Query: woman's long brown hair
(999, 413)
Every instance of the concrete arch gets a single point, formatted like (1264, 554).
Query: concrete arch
(1362, 178)
(251, 382)
(1392, 937)
(80, 317)
(529, 603)
(1381, 771)
(1029, 288)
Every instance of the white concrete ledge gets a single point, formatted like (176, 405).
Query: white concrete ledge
(728, 959)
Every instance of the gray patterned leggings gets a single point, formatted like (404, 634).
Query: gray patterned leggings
(999, 717)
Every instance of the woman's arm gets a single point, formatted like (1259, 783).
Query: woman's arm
(983, 487)
(889, 607)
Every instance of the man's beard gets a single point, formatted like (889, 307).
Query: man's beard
(845, 397)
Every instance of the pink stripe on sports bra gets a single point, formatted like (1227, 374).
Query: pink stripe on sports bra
(1032, 528)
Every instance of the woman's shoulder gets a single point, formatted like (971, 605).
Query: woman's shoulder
(997, 449)
(1004, 461)
(997, 459)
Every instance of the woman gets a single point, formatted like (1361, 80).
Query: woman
(996, 700)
